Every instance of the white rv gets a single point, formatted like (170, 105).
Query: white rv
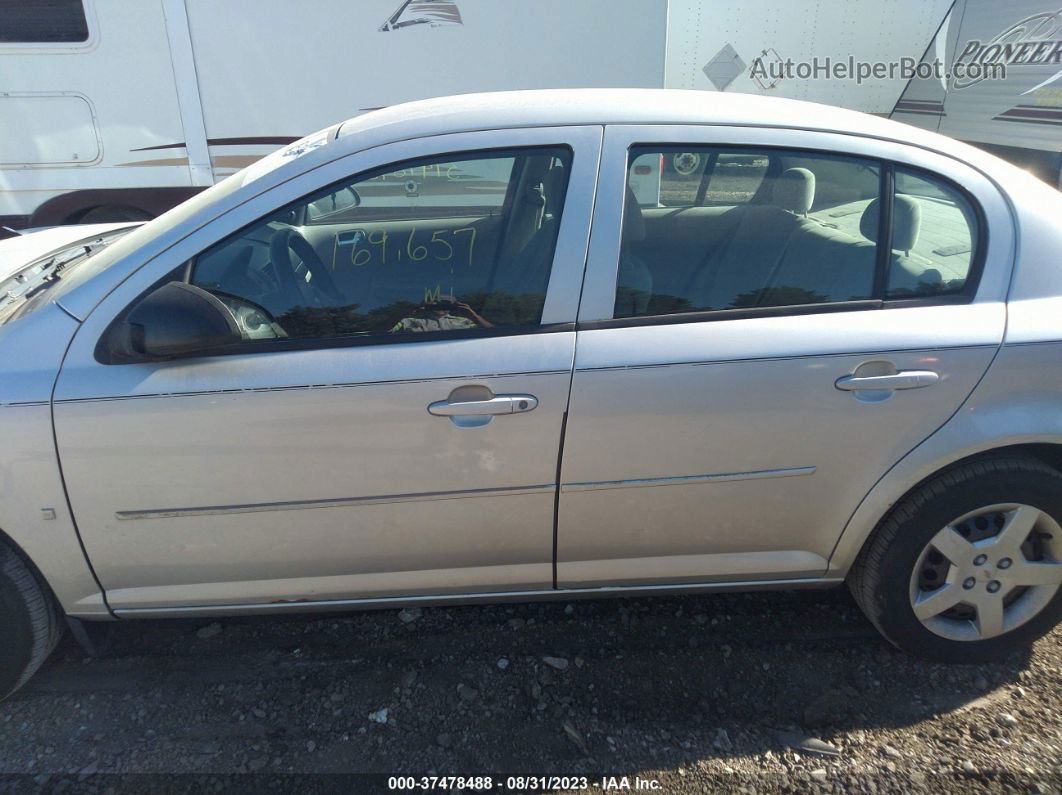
(112, 110)
(117, 110)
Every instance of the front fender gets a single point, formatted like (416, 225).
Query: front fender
(33, 507)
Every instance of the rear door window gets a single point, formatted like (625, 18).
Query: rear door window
(754, 229)
(719, 229)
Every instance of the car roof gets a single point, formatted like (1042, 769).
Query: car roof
(565, 107)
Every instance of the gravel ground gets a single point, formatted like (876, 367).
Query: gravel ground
(735, 692)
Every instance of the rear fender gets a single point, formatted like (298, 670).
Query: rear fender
(1019, 402)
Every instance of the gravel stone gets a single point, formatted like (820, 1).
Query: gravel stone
(209, 631)
(722, 741)
(814, 745)
(409, 614)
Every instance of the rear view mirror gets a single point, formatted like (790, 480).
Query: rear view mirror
(176, 319)
(333, 203)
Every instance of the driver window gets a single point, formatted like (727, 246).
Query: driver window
(454, 244)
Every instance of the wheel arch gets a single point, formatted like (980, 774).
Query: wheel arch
(70, 207)
(66, 580)
(920, 466)
(17, 549)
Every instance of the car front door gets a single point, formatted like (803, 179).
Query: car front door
(753, 356)
(389, 424)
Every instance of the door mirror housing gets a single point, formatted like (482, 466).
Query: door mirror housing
(176, 319)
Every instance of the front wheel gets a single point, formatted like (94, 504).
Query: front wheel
(30, 618)
(968, 567)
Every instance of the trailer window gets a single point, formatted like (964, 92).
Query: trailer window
(42, 22)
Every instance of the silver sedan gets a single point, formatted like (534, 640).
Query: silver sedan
(495, 347)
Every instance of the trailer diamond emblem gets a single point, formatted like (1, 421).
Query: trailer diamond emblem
(724, 67)
(761, 71)
(423, 12)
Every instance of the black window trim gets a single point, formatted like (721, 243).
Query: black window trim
(883, 245)
(879, 300)
(185, 270)
(741, 313)
(706, 178)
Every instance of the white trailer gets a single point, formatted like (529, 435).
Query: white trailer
(115, 110)
(815, 51)
(1019, 117)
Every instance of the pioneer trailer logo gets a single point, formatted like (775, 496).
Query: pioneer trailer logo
(1034, 41)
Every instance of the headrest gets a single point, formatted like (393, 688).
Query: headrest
(633, 223)
(553, 184)
(906, 222)
(795, 190)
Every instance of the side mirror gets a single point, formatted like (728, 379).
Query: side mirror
(176, 319)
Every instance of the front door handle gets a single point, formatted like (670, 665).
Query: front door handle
(499, 404)
(905, 379)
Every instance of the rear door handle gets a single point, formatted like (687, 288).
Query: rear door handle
(499, 404)
(905, 379)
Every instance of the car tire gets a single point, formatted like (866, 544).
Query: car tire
(889, 588)
(685, 163)
(31, 620)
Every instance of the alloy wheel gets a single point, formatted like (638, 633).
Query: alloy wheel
(987, 572)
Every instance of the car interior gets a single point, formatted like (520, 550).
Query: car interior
(432, 247)
(791, 244)
(468, 245)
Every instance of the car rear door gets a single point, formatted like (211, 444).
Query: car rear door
(749, 362)
(400, 440)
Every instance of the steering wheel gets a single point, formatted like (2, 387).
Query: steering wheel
(281, 245)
